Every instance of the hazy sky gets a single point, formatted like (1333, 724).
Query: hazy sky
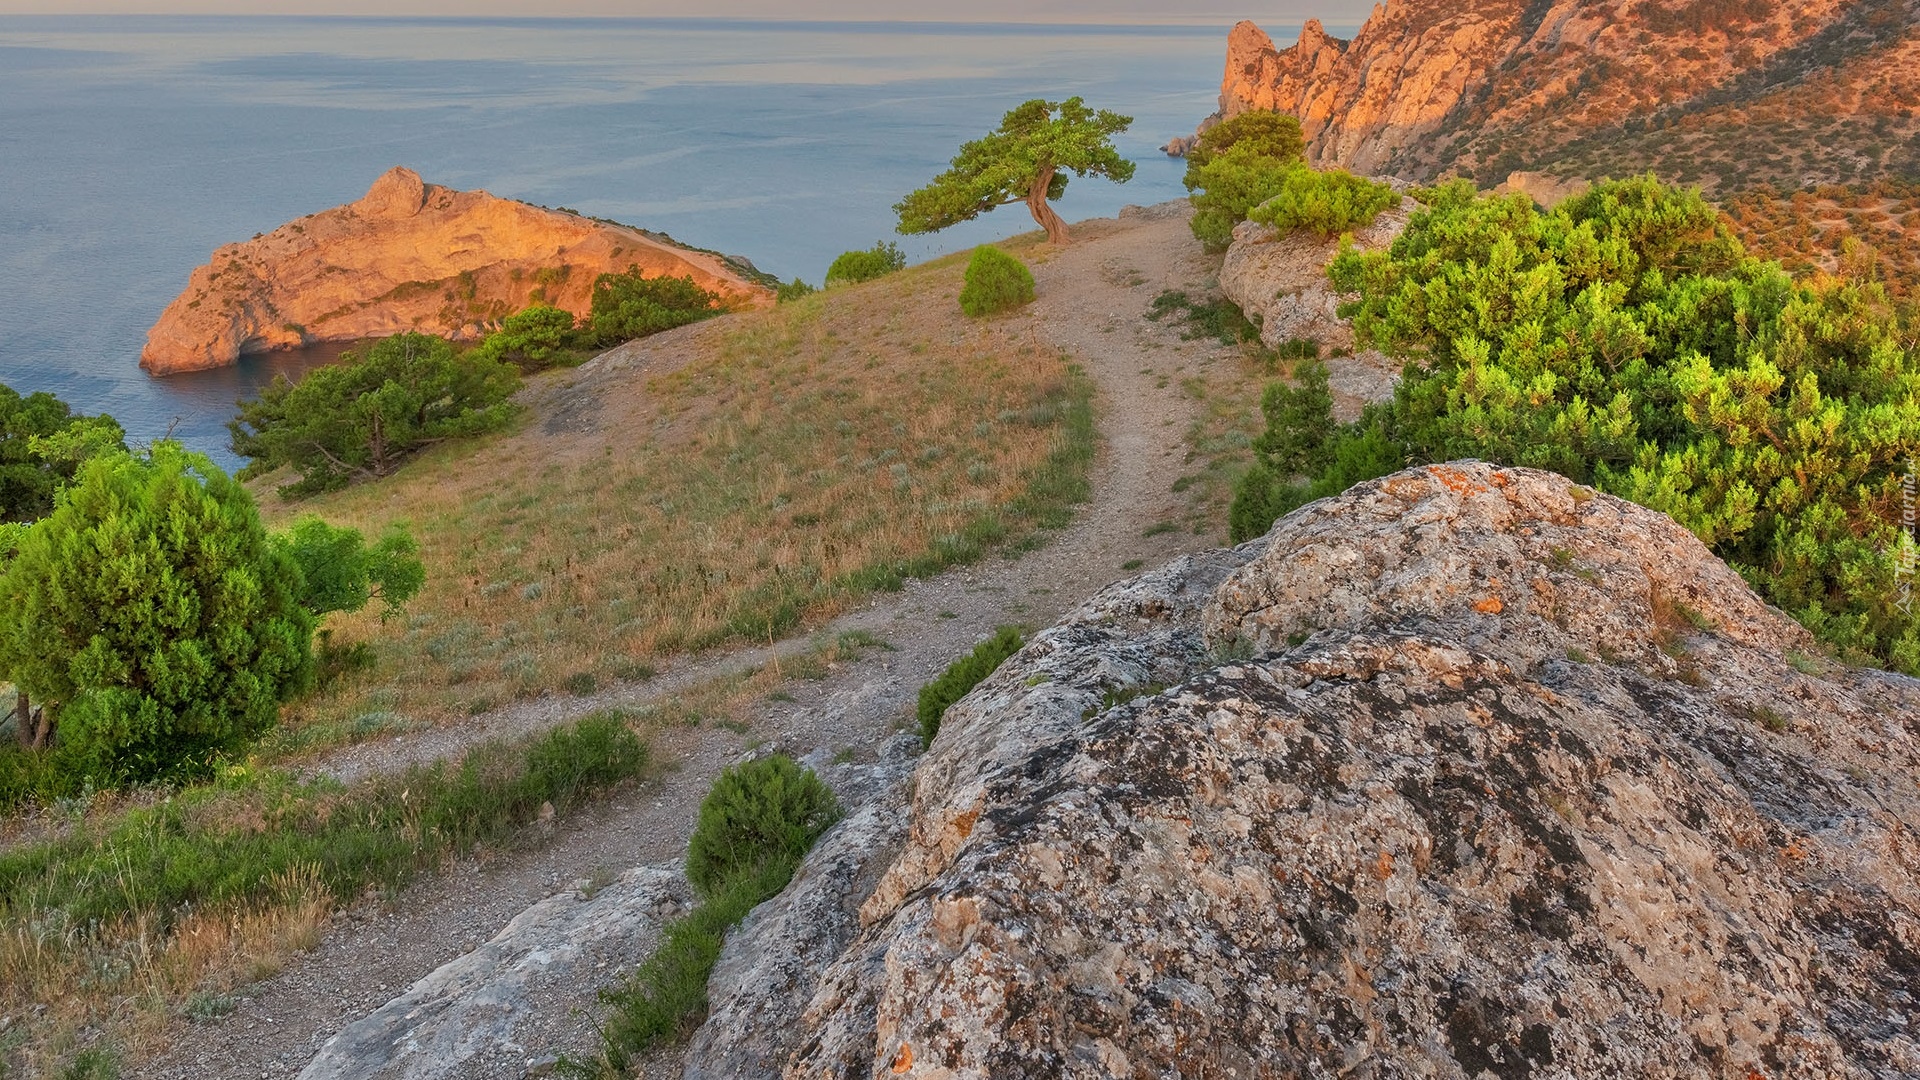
(1204, 11)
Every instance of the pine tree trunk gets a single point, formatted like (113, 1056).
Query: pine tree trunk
(34, 728)
(1042, 211)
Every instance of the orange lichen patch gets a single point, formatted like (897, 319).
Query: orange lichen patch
(903, 1061)
(1383, 866)
(963, 825)
(1490, 606)
(1455, 481)
(1795, 850)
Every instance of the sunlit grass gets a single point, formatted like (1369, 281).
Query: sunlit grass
(807, 456)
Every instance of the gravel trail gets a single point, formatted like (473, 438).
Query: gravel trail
(1093, 296)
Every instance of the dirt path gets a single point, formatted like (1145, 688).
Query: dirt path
(1093, 296)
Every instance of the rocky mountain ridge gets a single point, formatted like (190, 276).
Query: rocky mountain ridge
(1469, 771)
(410, 256)
(1724, 92)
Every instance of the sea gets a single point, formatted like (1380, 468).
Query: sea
(131, 147)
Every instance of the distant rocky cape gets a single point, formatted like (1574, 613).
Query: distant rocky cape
(1726, 93)
(410, 256)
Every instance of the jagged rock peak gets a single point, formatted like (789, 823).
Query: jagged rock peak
(1470, 771)
(1431, 86)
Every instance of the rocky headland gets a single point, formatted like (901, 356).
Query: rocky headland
(410, 256)
(1467, 772)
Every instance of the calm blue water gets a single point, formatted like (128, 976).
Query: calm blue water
(131, 147)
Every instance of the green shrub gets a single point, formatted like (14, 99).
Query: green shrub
(878, 261)
(153, 618)
(1235, 166)
(963, 675)
(995, 282)
(1325, 203)
(792, 290)
(631, 305)
(756, 824)
(764, 809)
(1626, 340)
(538, 337)
(361, 418)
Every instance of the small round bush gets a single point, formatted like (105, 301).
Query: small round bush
(996, 281)
(857, 266)
(762, 810)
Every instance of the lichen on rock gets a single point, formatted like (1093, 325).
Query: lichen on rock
(1469, 771)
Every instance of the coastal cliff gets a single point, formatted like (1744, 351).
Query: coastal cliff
(409, 256)
(1598, 87)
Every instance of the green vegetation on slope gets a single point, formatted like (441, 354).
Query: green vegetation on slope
(963, 675)
(1235, 166)
(1627, 340)
(995, 282)
(853, 267)
(212, 886)
(361, 418)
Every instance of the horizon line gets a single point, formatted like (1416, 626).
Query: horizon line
(1186, 21)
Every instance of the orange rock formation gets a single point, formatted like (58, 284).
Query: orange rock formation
(408, 256)
(1429, 87)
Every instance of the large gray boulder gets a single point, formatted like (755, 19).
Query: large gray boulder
(1468, 772)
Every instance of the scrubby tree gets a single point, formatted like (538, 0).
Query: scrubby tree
(532, 338)
(852, 267)
(631, 305)
(153, 618)
(42, 444)
(1027, 159)
(1626, 340)
(361, 418)
(1235, 166)
(340, 571)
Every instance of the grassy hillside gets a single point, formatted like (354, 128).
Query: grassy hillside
(729, 484)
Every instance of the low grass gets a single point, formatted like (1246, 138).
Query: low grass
(799, 459)
(1219, 319)
(138, 915)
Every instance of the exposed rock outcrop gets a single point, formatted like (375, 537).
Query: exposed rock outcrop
(1428, 87)
(470, 1017)
(1467, 772)
(1279, 280)
(409, 256)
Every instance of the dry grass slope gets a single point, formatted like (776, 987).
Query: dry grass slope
(739, 481)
